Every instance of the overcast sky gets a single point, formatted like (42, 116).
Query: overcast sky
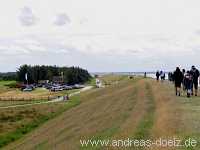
(100, 35)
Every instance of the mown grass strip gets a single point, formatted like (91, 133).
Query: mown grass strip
(20, 132)
(145, 125)
(108, 133)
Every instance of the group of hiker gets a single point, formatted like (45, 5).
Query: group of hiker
(160, 75)
(187, 79)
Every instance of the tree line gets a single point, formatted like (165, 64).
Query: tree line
(8, 76)
(70, 75)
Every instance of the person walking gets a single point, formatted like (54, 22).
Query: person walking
(195, 75)
(162, 75)
(183, 82)
(188, 83)
(169, 76)
(145, 74)
(157, 75)
(178, 78)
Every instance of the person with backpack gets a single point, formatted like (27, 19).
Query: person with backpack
(195, 75)
(178, 78)
(188, 81)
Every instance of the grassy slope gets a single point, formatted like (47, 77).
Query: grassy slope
(17, 122)
(140, 109)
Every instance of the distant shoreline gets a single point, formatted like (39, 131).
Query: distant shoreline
(124, 73)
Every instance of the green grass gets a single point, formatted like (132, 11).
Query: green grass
(12, 103)
(104, 135)
(41, 146)
(145, 125)
(191, 115)
(91, 82)
(189, 119)
(4, 83)
(26, 128)
(4, 86)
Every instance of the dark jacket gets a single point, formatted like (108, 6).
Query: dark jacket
(178, 77)
(195, 74)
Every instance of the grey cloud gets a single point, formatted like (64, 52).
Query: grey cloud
(27, 18)
(34, 45)
(62, 19)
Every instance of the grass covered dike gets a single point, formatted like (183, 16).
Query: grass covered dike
(127, 108)
(25, 128)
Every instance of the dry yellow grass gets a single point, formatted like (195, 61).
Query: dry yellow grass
(37, 94)
(112, 79)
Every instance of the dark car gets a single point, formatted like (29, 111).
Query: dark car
(48, 86)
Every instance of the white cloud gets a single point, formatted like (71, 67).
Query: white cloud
(100, 35)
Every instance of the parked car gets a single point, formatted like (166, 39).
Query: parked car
(66, 87)
(40, 85)
(78, 86)
(22, 87)
(32, 86)
(28, 89)
(56, 88)
(48, 86)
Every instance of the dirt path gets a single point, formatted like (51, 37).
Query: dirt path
(142, 109)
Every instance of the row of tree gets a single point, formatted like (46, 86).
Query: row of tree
(70, 75)
(8, 76)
